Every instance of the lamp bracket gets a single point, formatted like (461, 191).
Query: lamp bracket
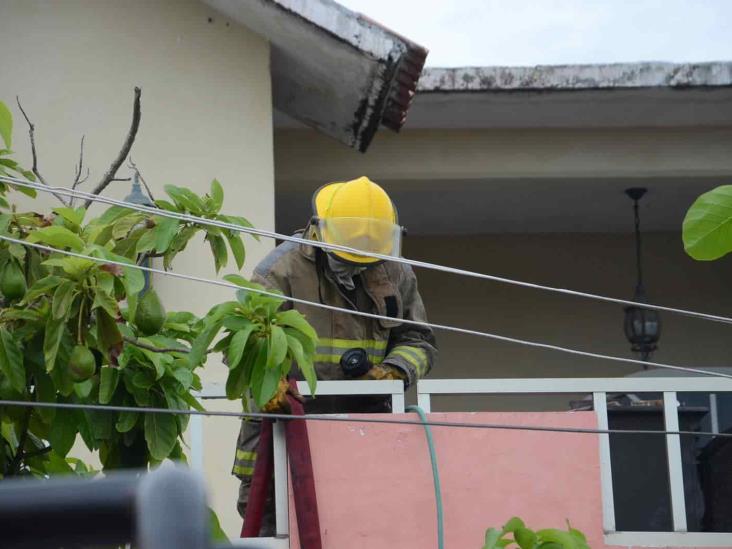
(636, 193)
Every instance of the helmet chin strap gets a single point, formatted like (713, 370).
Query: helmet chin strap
(344, 272)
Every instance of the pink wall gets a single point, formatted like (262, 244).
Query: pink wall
(375, 486)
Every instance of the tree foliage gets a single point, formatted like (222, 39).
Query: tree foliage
(707, 228)
(69, 330)
(515, 534)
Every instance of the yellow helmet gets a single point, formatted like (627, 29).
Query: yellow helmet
(357, 214)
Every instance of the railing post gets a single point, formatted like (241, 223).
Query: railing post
(397, 403)
(675, 470)
(423, 400)
(282, 500)
(606, 476)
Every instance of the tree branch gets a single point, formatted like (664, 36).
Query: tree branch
(32, 135)
(124, 151)
(79, 168)
(40, 452)
(142, 345)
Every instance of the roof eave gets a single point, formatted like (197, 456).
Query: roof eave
(332, 69)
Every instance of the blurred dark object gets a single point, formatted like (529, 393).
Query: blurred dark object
(640, 469)
(162, 509)
(715, 467)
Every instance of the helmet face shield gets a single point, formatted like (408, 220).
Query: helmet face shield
(362, 233)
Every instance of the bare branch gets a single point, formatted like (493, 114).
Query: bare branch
(124, 151)
(139, 175)
(122, 179)
(142, 345)
(32, 135)
(79, 169)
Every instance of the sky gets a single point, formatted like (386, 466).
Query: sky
(541, 32)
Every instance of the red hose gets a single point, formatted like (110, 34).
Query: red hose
(261, 479)
(303, 480)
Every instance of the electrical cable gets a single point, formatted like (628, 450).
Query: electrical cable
(435, 475)
(349, 419)
(64, 191)
(488, 335)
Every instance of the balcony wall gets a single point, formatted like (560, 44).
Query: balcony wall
(375, 486)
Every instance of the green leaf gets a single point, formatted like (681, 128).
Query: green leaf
(237, 248)
(707, 227)
(143, 379)
(185, 198)
(217, 533)
(218, 248)
(199, 349)
(525, 538)
(6, 125)
(236, 220)
(17, 251)
(513, 524)
(189, 399)
(217, 195)
(5, 222)
(73, 216)
(492, 536)
(184, 377)
(63, 431)
(551, 535)
(165, 205)
(62, 298)
(164, 232)
(237, 345)
(73, 266)
(295, 319)
(277, 347)
(105, 301)
(303, 362)
(263, 380)
(122, 227)
(155, 358)
(108, 332)
(126, 421)
(241, 281)
(83, 388)
(308, 345)
(41, 287)
(11, 361)
(52, 339)
(58, 237)
(108, 379)
(161, 432)
(113, 214)
(146, 242)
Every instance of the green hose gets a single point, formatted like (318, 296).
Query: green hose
(435, 475)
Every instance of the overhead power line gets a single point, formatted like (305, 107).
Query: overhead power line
(65, 191)
(342, 418)
(466, 331)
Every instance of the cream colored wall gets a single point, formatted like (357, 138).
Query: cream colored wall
(598, 263)
(306, 159)
(206, 112)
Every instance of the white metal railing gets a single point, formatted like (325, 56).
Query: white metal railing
(393, 389)
(600, 388)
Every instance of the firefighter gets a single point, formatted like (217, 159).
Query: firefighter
(358, 214)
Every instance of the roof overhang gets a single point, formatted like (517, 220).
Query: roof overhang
(575, 96)
(332, 69)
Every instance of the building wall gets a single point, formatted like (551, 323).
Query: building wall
(206, 113)
(596, 263)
